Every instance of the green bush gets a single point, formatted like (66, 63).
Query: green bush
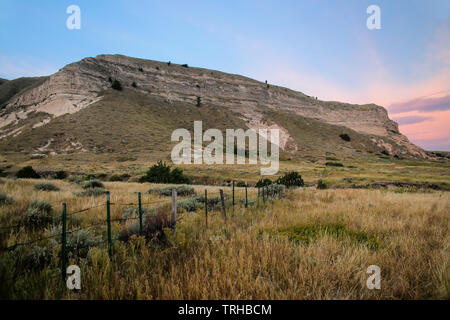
(334, 164)
(161, 173)
(214, 202)
(37, 258)
(122, 177)
(27, 173)
(190, 205)
(46, 187)
(95, 192)
(154, 223)
(79, 242)
(263, 182)
(167, 191)
(61, 175)
(291, 179)
(39, 214)
(321, 185)
(116, 85)
(5, 199)
(92, 184)
(240, 184)
(345, 137)
(275, 190)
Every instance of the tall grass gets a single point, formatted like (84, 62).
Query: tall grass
(240, 259)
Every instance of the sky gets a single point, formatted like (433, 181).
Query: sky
(320, 47)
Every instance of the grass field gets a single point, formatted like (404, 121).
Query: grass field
(310, 244)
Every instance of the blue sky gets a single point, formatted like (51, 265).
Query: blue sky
(322, 48)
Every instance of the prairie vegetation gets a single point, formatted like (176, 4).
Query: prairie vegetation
(310, 244)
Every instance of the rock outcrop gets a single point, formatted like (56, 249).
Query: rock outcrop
(81, 84)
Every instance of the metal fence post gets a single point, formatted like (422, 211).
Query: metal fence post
(206, 205)
(224, 212)
(233, 194)
(63, 243)
(140, 213)
(246, 196)
(108, 222)
(174, 210)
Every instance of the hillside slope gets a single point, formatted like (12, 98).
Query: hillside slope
(70, 102)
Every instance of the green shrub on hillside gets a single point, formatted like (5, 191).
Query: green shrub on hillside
(321, 185)
(92, 184)
(263, 182)
(5, 199)
(95, 192)
(27, 173)
(161, 173)
(334, 164)
(39, 214)
(61, 175)
(345, 137)
(46, 187)
(291, 179)
(116, 85)
(167, 191)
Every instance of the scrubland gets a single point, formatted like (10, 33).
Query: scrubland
(308, 244)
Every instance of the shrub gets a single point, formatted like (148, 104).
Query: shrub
(122, 177)
(37, 258)
(76, 179)
(321, 185)
(334, 164)
(161, 173)
(167, 191)
(134, 85)
(116, 85)
(214, 202)
(291, 179)
(153, 225)
(263, 182)
(39, 214)
(46, 187)
(345, 137)
(385, 152)
(5, 199)
(61, 175)
(92, 184)
(190, 205)
(27, 173)
(95, 192)
(240, 184)
(275, 190)
(79, 242)
(185, 65)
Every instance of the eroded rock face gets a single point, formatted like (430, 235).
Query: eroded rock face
(80, 84)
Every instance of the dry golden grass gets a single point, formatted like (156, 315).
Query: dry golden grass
(246, 258)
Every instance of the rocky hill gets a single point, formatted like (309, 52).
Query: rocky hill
(76, 110)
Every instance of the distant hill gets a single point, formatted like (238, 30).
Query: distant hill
(76, 110)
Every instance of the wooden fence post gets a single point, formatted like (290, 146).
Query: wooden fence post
(63, 244)
(222, 199)
(206, 205)
(174, 209)
(108, 223)
(140, 213)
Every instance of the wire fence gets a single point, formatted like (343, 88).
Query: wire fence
(263, 194)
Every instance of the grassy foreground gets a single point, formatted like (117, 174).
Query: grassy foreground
(312, 244)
